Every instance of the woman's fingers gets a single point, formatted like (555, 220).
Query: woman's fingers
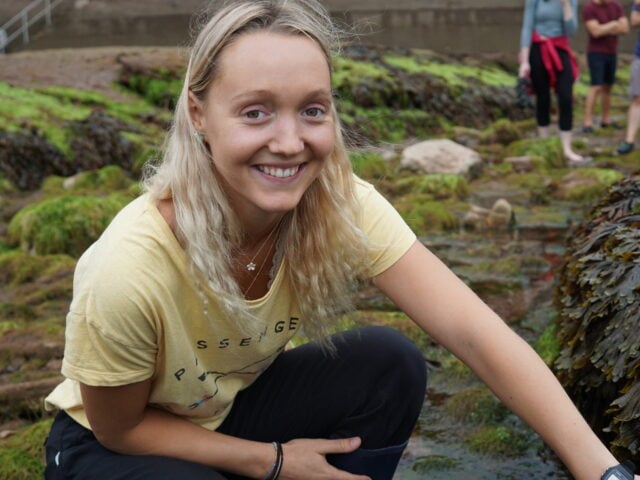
(339, 445)
(306, 459)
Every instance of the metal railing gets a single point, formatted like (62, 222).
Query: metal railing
(20, 24)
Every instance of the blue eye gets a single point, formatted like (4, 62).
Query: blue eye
(254, 114)
(314, 112)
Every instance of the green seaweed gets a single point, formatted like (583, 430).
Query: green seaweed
(477, 405)
(21, 455)
(66, 224)
(457, 75)
(498, 440)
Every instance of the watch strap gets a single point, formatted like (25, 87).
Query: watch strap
(623, 471)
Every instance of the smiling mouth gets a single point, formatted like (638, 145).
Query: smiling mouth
(279, 172)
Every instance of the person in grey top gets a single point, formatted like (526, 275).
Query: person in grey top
(546, 57)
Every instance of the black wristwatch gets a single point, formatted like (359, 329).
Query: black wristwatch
(619, 472)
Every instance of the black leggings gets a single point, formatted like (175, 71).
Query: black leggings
(564, 89)
(373, 388)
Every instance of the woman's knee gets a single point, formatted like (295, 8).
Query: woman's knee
(389, 373)
(399, 358)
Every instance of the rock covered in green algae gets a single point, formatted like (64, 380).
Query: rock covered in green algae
(60, 131)
(66, 224)
(598, 299)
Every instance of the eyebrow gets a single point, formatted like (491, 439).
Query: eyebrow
(320, 92)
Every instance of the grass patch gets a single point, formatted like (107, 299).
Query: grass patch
(22, 455)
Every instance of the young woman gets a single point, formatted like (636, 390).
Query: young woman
(254, 228)
(546, 57)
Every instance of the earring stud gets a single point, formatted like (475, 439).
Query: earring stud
(199, 136)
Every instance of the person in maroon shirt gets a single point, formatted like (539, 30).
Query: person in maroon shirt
(605, 21)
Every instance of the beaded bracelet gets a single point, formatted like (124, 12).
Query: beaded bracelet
(274, 471)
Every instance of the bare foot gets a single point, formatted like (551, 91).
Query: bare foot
(572, 157)
(575, 161)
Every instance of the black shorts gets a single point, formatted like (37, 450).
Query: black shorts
(372, 387)
(602, 68)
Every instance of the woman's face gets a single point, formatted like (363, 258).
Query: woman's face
(267, 119)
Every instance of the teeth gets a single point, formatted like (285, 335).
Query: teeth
(279, 172)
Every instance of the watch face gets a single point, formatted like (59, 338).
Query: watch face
(616, 476)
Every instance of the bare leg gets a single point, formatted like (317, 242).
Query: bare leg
(543, 132)
(571, 156)
(633, 120)
(606, 104)
(590, 103)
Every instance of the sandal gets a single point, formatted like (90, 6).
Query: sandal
(624, 148)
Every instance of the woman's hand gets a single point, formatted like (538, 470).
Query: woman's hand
(524, 69)
(523, 61)
(304, 459)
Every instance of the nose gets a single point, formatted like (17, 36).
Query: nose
(287, 138)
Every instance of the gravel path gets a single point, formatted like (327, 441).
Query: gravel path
(83, 68)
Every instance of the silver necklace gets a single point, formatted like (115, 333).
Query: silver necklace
(255, 277)
(251, 266)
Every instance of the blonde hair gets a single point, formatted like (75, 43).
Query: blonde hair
(324, 249)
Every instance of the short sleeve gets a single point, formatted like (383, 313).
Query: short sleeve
(110, 336)
(94, 358)
(527, 23)
(389, 235)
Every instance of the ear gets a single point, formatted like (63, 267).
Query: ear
(196, 112)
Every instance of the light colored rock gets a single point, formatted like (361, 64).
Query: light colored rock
(70, 182)
(440, 156)
(499, 216)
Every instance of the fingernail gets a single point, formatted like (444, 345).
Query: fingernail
(355, 441)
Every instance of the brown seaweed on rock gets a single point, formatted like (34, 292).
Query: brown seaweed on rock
(26, 158)
(598, 299)
(98, 142)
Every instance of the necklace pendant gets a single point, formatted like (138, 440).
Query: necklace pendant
(251, 266)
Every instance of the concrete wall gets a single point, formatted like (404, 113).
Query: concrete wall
(461, 26)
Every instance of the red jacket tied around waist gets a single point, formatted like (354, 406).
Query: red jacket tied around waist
(549, 47)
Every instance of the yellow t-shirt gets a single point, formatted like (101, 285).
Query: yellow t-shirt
(138, 314)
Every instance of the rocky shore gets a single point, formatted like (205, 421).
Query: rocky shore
(501, 220)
